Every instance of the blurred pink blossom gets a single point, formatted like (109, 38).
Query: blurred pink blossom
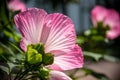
(16, 5)
(109, 17)
(98, 14)
(56, 31)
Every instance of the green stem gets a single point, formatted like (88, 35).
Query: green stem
(23, 74)
(18, 74)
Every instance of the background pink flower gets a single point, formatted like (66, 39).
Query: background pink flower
(56, 31)
(16, 5)
(109, 17)
(98, 14)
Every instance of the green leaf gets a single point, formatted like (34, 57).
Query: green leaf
(7, 48)
(98, 38)
(17, 48)
(111, 58)
(11, 66)
(5, 69)
(100, 76)
(8, 33)
(4, 13)
(94, 31)
(80, 40)
(95, 56)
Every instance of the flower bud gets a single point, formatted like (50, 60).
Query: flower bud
(48, 59)
(44, 73)
(32, 56)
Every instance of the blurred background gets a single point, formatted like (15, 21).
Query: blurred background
(78, 10)
(101, 59)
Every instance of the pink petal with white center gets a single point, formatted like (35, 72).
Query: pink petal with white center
(58, 34)
(69, 61)
(30, 24)
(56, 75)
(98, 14)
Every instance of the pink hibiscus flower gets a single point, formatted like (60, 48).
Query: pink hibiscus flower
(56, 31)
(109, 17)
(16, 5)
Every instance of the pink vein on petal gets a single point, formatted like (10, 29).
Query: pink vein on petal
(61, 34)
(69, 61)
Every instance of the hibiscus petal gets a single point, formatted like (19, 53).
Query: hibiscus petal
(112, 18)
(69, 61)
(58, 34)
(30, 24)
(114, 32)
(112, 35)
(98, 14)
(56, 75)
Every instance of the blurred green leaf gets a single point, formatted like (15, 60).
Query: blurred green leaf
(4, 13)
(8, 33)
(80, 40)
(98, 38)
(17, 48)
(100, 76)
(5, 69)
(92, 55)
(94, 31)
(97, 57)
(111, 58)
(7, 48)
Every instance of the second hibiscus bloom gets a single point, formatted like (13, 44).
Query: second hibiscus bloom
(109, 17)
